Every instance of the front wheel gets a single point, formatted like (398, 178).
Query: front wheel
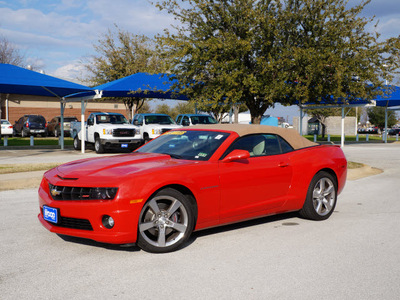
(321, 197)
(166, 222)
(98, 146)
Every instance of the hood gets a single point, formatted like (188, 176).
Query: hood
(113, 168)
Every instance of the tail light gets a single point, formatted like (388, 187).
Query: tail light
(27, 125)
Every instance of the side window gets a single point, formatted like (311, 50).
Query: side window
(185, 121)
(272, 146)
(262, 145)
(255, 144)
(140, 120)
(285, 146)
(178, 121)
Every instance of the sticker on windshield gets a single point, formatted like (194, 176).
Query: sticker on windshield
(219, 136)
(103, 118)
(176, 132)
(201, 154)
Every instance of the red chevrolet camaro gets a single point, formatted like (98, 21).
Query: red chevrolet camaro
(190, 179)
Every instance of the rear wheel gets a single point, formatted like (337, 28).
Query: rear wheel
(77, 143)
(166, 222)
(321, 197)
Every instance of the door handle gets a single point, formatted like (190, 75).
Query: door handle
(283, 164)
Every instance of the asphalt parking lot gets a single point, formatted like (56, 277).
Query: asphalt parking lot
(353, 255)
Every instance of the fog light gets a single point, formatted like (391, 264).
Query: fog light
(108, 222)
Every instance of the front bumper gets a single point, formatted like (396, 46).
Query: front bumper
(91, 212)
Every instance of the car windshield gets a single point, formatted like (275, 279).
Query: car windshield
(70, 119)
(37, 119)
(113, 119)
(166, 120)
(203, 120)
(181, 144)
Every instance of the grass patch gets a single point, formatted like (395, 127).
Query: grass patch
(38, 141)
(16, 168)
(354, 165)
(352, 138)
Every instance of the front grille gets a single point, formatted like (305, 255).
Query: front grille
(121, 132)
(72, 223)
(164, 130)
(66, 193)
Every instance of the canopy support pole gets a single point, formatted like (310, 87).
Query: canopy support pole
(83, 129)
(62, 103)
(386, 124)
(342, 129)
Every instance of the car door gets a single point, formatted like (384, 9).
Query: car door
(253, 186)
(90, 129)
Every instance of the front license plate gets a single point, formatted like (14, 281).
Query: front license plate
(50, 214)
(124, 145)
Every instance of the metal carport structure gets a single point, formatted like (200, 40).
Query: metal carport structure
(140, 85)
(17, 80)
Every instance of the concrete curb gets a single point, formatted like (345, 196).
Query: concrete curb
(28, 180)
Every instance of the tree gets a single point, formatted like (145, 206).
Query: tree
(121, 54)
(376, 116)
(9, 54)
(225, 52)
(260, 52)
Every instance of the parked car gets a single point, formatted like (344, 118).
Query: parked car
(30, 125)
(190, 179)
(106, 131)
(394, 131)
(152, 125)
(54, 126)
(194, 119)
(6, 128)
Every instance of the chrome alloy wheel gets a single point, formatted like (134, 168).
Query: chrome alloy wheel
(164, 221)
(324, 196)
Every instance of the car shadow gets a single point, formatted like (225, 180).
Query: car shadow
(240, 225)
(194, 236)
(87, 242)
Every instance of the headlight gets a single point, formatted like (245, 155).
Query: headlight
(82, 193)
(156, 131)
(107, 131)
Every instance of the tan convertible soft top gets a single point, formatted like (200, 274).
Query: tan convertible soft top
(290, 135)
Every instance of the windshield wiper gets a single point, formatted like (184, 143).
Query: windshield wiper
(176, 156)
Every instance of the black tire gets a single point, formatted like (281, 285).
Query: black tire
(77, 143)
(98, 146)
(166, 222)
(321, 197)
(146, 138)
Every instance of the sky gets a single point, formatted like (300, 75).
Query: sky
(57, 35)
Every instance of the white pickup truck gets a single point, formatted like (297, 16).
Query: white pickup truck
(105, 131)
(152, 125)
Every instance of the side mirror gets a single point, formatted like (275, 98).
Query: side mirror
(90, 122)
(185, 123)
(236, 155)
(136, 122)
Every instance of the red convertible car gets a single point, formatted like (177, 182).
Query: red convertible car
(191, 179)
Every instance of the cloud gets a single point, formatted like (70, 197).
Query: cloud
(72, 72)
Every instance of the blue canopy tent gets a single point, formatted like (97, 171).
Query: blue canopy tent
(17, 80)
(141, 85)
(390, 101)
